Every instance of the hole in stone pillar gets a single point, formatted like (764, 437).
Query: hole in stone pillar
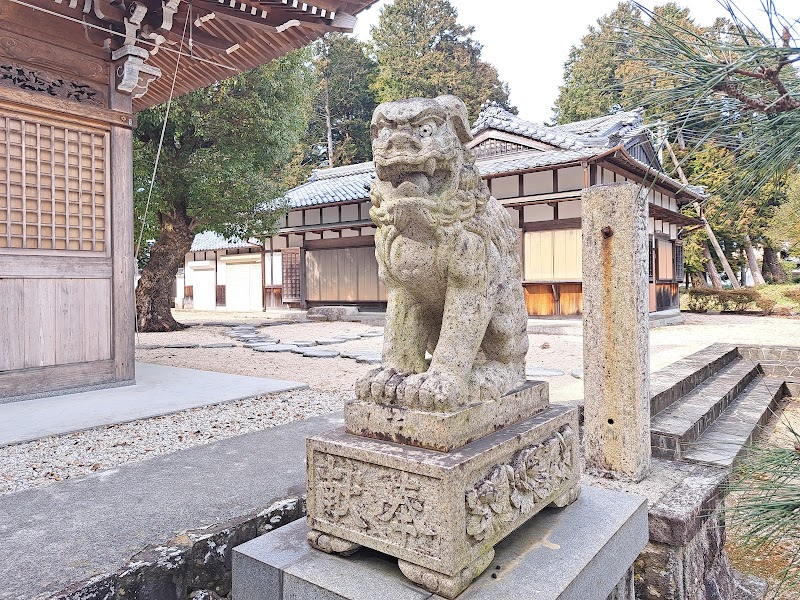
(611, 421)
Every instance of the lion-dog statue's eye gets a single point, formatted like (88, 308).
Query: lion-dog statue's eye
(427, 130)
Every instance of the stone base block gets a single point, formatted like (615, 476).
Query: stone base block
(581, 552)
(444, 431)
(442, 513)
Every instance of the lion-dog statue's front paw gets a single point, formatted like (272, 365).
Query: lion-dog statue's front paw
(432, 390)
(379, 385)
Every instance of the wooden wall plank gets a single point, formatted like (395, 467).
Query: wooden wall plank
(570, 298)
(120, 176)
(539, 299)
(70, 325)
(312, 276)
(34, 266)
(59, 377)
(39, 322)
(98, 315)
(11, 324)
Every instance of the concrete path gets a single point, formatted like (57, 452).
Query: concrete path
(66, 532)
(158, 391)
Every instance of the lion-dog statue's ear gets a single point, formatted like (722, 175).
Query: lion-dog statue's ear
(457, 115)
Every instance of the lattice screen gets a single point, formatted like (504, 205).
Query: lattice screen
(52, 186)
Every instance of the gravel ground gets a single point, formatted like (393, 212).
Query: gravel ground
(331, 380)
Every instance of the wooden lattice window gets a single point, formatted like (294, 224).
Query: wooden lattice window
(52, 186)
(680, 272)
(188, 292)
(221, 295)
(292, 275)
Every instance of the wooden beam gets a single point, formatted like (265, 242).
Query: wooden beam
(553, 224)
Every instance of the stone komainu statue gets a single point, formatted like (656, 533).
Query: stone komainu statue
(449, 256)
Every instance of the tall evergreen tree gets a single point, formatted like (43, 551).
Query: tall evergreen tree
(338, 133)
(422, 50)
(592, 86)
(221, 163)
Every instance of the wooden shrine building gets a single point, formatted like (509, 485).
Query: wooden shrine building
(324, 251)
(73, 73)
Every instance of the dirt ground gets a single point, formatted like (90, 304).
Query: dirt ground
(561, 352)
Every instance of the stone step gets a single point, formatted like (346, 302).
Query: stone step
(678, 379)
(684, 421)
(727, 438)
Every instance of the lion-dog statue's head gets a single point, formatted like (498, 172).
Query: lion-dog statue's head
(423, 173)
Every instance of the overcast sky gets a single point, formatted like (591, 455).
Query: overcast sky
(529, 40)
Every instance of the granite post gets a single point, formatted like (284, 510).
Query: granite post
(615, 331)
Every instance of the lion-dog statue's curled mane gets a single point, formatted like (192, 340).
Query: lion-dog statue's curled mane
(448, 254)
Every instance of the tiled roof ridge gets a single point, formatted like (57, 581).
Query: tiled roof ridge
(343, 171)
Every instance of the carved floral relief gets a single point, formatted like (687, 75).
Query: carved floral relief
(512, 490)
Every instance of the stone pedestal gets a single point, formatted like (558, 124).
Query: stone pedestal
(440, 513)
(582, 552)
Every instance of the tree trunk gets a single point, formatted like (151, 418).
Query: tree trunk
(153, 311)
(328, 125)
(711, 268)
(773, 262)
(766, 272)
(720, 254)
(698, 280)
(752, 261)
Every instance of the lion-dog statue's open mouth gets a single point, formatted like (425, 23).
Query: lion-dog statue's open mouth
(449, 256)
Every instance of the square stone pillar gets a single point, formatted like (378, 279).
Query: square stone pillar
(616, 360)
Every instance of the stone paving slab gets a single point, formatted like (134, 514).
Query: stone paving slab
(72, 530)
(159, 390)
(218, 345)
(543, 372)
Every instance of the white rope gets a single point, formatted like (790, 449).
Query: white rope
(158, 150)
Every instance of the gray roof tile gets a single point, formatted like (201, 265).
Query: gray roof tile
(211, 240)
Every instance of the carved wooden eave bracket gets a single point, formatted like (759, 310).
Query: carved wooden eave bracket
(133, 76)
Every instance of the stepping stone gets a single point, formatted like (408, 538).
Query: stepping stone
(354, 354)
(577, 374)
(543, 372)
(370, 334)
(275, 348)
(326, 341)
(148, 347)
(220, 345)
(215, 324)
(301, 343)
(261, 343)
(372, 358)
(349, 336)
(318, 353)
(181, 345)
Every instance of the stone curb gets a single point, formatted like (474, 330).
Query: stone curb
(679, 514)
(198, 559)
